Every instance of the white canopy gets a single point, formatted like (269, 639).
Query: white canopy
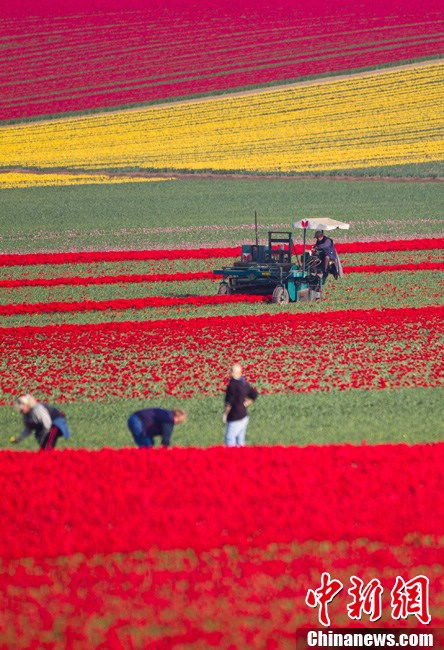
(321, 223)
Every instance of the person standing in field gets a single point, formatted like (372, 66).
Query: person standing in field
(147, 424)
(47, 422)
(239, 395)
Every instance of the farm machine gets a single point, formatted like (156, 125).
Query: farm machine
(274, 268)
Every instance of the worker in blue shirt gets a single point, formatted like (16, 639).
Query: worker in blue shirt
(146, 424)
(325, 250)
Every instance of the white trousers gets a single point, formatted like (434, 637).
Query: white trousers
(235, 432)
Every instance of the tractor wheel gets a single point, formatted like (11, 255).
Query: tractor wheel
(280, 295)
(224, 289)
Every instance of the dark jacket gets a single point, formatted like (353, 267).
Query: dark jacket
(157, 422)
(53, 412)
(238, 390)
(326, 247)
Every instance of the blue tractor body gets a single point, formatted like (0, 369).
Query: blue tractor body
(265, 269)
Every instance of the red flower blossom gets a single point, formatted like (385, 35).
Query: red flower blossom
(123, 303)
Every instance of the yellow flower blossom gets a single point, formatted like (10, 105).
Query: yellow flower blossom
(37, 179)
(378, 119)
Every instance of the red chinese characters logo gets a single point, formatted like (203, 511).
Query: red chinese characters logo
(408, 598)
(411, 598)
(365, 600)
(323, 595)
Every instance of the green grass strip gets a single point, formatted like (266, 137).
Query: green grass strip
(410, 415)
(203, 212)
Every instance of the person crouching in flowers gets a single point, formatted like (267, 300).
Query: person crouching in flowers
(47, 422)
(146, 424)
(239, 395)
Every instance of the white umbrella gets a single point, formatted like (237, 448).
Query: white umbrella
(320, 223)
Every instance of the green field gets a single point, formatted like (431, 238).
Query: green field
(209, 212)
(126, 548)
(410, 415)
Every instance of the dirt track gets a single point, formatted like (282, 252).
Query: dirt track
(289, 177)
(220, 176)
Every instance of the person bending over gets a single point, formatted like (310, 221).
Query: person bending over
(47, 422)
(147, 424)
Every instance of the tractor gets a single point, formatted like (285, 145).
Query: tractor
(270, 268)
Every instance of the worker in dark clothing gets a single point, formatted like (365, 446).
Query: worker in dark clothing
(325, 250)
(239, 395)
(47, 422)
(146, 424)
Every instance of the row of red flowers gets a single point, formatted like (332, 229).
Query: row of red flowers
(367, 349)
(108, 279)
(124, 303)
(161, 51)
(302, 66)
(393, 268)
(27, 259)
(192, 276)
(128, 499)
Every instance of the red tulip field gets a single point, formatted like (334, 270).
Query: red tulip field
(217, 548)
(174, 549)
(193, 50)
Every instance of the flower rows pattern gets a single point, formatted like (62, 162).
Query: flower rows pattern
(192, 276)
(81, 59)
(387, 492)
(340, 350)
(361, 122)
